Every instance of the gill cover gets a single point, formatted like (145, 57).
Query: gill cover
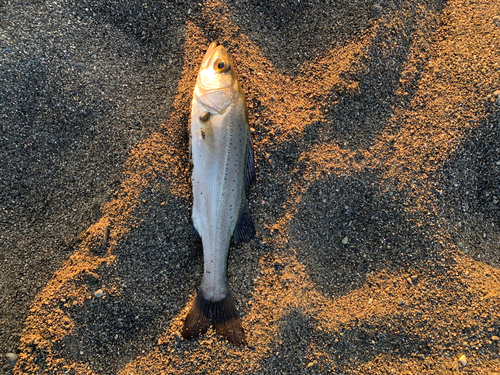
(216, 86)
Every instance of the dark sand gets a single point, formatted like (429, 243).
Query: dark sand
(377, 143)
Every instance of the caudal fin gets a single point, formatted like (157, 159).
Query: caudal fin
(222, 314)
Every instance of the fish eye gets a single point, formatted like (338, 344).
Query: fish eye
(221, 66)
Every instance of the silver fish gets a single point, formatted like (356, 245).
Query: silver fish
(223, 168)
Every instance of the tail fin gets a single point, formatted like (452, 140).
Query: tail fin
(222, 314)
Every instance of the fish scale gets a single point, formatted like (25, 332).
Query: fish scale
(223, 167)
(223, 214)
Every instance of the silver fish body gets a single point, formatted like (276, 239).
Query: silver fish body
(223, 168)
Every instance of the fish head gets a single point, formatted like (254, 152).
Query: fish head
(217, 85)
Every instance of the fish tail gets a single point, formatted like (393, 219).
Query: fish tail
(222, 314)
(198, 318)
(227, 321)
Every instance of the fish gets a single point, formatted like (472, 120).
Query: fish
(223, 168)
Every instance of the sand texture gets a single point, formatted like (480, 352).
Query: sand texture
(377, 145)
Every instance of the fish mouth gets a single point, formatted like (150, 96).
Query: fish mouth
(214, 51)
(213, 90)
(208, 55)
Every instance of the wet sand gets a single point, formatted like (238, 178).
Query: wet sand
(377, 144)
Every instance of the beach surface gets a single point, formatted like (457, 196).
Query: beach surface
(376, 132)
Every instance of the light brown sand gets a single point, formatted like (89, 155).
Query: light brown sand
(362, 136)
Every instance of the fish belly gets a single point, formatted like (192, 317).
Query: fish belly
(218, 181)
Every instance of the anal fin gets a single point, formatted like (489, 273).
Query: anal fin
(194, 232)
(245, 228)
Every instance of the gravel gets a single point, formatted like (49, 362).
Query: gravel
(376, 206)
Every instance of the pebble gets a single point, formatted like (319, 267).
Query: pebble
(79, 65)
(11, 358)
(463, 360)
(178, 339)
(495, 338)
(496, 20)
(412, 280)
(345, 240)
(99, 293)
(496, 93)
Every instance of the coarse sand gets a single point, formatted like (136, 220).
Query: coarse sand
(376, 131)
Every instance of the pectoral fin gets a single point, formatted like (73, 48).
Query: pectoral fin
(207, 132)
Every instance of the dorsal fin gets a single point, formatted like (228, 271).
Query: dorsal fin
(250, 176)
